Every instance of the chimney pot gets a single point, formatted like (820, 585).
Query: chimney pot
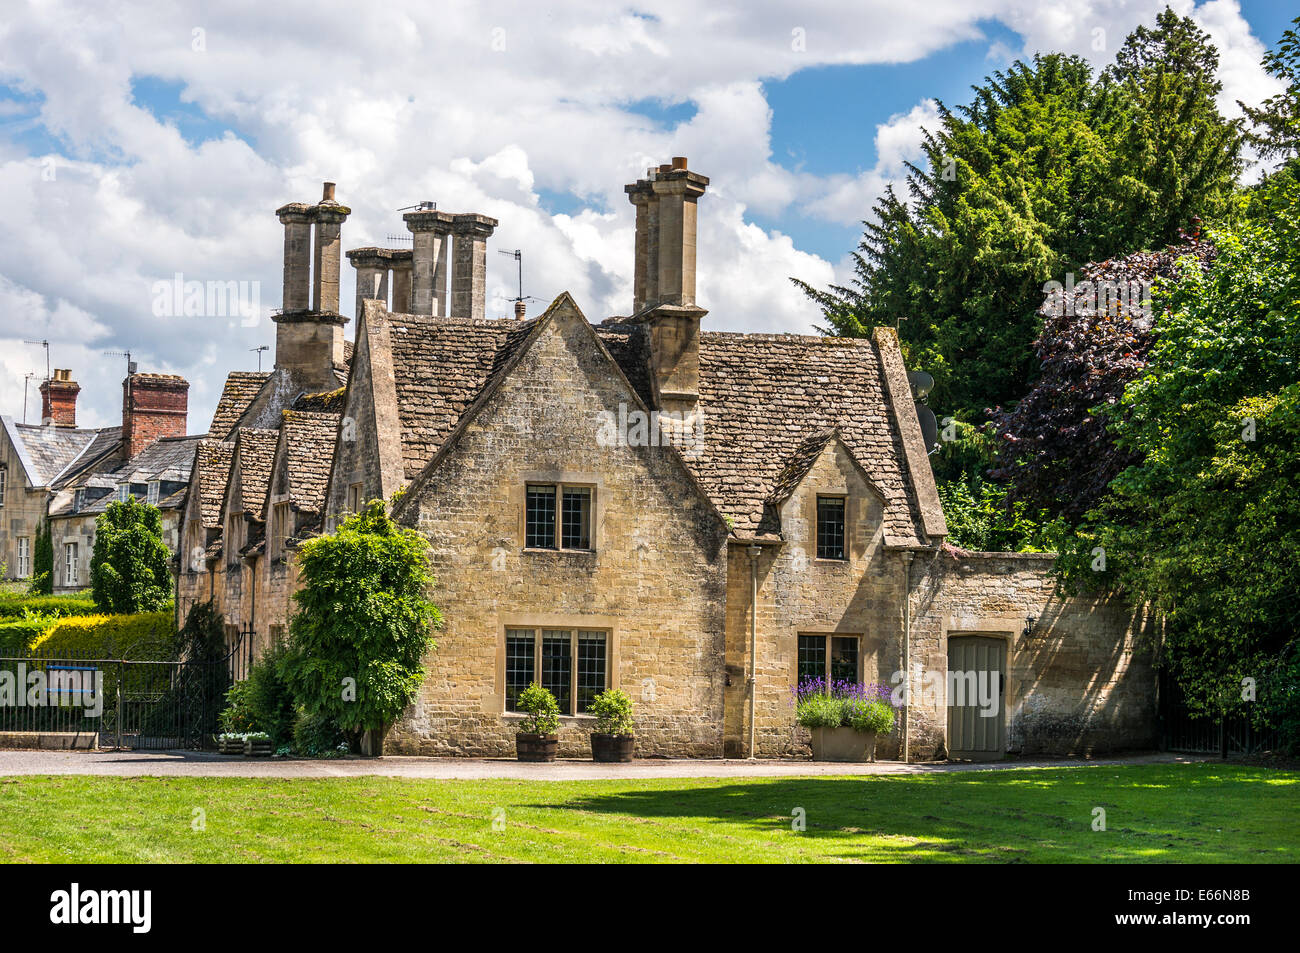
(665, 168)
(328, 195)
(520, 310)
(679, 163)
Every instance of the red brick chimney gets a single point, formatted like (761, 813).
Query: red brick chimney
(59, 399)
(153, 406)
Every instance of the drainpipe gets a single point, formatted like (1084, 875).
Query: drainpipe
(907, 653)
(754, 551)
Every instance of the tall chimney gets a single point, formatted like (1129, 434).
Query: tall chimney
(59, 399)
(296, 218)
(430, 235)
(329, 216)
(402, 273)
(309, 328)
(372, 266)
(153, 406)
(469, 279)
(664, 284)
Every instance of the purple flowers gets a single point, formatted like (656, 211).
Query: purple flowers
(840, 688)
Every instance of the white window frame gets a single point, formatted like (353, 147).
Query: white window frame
(69, 564)
(155, 490)
(123, 492)
(24, 556)
(4, 475)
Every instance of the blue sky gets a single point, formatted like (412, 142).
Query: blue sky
(160, 140)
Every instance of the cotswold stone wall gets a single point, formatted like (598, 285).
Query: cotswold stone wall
(655, 578)
(1082, 683)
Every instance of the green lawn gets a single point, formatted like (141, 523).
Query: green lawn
(1188, 813)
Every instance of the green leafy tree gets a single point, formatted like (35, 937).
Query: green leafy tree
(1206, 528)
(128, 570)
(1046, 169)
(1276, 121)
(362, 625)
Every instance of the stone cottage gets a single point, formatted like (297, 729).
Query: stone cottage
(700, 518)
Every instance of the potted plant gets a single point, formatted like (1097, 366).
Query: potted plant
(257, 744)
(536, 739)
(613, 739)
(230, 742)
(844, 717)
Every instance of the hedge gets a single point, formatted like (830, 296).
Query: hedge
(146, 635)
(50, 606)
(18, 635)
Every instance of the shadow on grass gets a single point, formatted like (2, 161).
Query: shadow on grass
(1203, 814)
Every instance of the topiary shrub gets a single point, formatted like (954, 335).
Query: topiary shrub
(542, 710)
(613, 711)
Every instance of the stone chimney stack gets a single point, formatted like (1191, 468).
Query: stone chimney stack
(153, 406)
(664, 279)
(59, 399)
(430, 247)
(432, 235)
(469, 280)
(309, 328)
(329, 218)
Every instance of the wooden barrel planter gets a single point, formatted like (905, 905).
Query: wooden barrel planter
(536, 747)
(612, 748)
(258, 749)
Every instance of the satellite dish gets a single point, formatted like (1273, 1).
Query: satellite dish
(922, 383)
(929, 427)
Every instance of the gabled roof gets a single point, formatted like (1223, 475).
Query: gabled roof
(440, 366)
(308, 441)
(253, 454)
(167, 458)
(212, 463)
(240, 390)
(50, 454)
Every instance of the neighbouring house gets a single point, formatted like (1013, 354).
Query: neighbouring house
(701, 518)
(59, 473)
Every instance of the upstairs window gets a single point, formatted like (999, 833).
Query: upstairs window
(830, 527)
(152, 497)
(572, 504)
(279, 527)
(3, 474)
(123, 492)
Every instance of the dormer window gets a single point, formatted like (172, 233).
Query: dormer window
(123, 492)
(152, 497)
(830, 528)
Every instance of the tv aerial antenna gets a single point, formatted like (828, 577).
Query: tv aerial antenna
(27, 381)
(518, 255)
(130, 364)
(259, 349)
(46, 345)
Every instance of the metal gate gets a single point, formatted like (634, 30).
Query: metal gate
(1183, 732)
(137, 704)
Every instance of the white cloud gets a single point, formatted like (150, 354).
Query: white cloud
(480, 107)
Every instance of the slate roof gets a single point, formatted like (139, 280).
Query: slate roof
(309, 443)
(440, 366)
(240, 390)
(213, 461)
(256, 449)
(167, 458)
(52, 455)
